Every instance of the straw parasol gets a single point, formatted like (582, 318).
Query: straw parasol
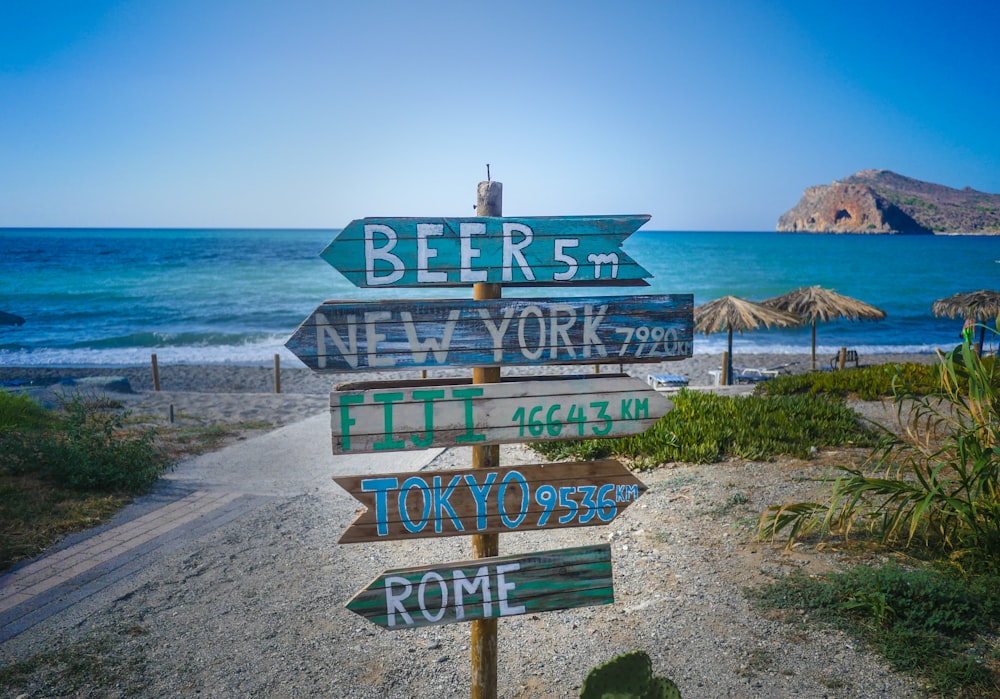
(733, 313)
(814, 303)
(978, 305)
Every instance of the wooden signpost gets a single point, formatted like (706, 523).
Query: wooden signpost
(484, 333)
(478, 501)
(342, 336)
(408, 252)
(473, 590)
(423, 414)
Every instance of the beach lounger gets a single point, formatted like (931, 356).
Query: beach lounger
(743, 374)
(666, 382)
(850, 356)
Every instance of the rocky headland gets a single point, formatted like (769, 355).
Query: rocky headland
(881, 201)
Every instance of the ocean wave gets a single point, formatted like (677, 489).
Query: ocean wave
(153, 340)
(249, 354)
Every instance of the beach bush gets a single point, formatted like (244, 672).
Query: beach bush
(925, 621)
(19, 411)
(867, 383)
(84, 447)
(935, 485)
(706, 427)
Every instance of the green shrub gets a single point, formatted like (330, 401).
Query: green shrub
(867, 383)
(925, 621)
(87, 450)
(19, 411)
(938, 484)
(706, 427)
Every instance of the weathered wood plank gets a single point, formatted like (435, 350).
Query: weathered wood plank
(387, 416)
(428, 504)
(529, 251)
(484, 588)
(342, 336)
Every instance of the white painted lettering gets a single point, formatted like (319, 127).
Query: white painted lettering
(384, 253)
(592, 321)
(600, 260)
(425, 253)
(504, 587)
(348, 351)
(463, 587)
(521, 335)
(560, 255)
(420, 348)
(469, 253)
(559, 332)
(373, 337)
(497, 333)
(422, 595)
(394, 601)
(512, 250)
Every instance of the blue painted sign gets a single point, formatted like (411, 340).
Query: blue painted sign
(344, 336)
(530, 251)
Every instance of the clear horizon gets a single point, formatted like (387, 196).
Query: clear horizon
(308, 115)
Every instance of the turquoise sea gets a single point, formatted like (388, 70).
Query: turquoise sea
(111, 297)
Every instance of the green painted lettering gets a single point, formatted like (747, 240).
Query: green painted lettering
(387, 399)
(428, 397)
(641, 408)
(467, 394)
(346, 420)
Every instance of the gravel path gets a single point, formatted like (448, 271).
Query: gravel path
(256, 608)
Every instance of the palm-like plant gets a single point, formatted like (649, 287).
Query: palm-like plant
(938, 482)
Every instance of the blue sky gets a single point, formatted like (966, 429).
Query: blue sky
(708, 115)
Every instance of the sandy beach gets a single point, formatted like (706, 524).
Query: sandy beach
(218, 394)
(255, 606)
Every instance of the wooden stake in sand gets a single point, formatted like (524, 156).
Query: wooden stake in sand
(156, 373)
(277, 373)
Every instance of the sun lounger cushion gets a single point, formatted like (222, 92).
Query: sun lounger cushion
(666, 382)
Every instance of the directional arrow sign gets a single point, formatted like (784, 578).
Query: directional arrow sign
(358, 336)
(479, 501)
(405, 252)
(423, 414)
(408, 598)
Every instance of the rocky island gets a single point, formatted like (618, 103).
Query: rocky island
(881, 201)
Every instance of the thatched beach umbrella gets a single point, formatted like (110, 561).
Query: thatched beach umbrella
(732, 313)
(814, 303)
(978, 305)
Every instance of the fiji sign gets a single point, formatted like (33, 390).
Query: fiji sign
(487, 588)
(410, 252)
(481, 501)
(345, 336)
(424, 414)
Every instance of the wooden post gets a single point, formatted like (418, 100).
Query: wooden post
(725, 379)
(156, 373)
(843, 358)
(277, 373)
(814, 345)
(489, 202)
